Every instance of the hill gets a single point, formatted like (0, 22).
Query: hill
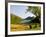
(15, 19)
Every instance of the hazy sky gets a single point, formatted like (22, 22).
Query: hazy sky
(20, 11)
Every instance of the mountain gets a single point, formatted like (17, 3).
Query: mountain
(27, 20)
(16, 19)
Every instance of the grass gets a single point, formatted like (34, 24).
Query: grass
(23, 27)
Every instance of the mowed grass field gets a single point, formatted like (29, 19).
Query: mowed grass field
(23, 27)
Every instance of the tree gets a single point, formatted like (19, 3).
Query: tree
(35, 10)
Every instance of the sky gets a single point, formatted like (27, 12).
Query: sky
(20, 10)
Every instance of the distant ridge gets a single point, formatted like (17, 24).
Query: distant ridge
(27, 20)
